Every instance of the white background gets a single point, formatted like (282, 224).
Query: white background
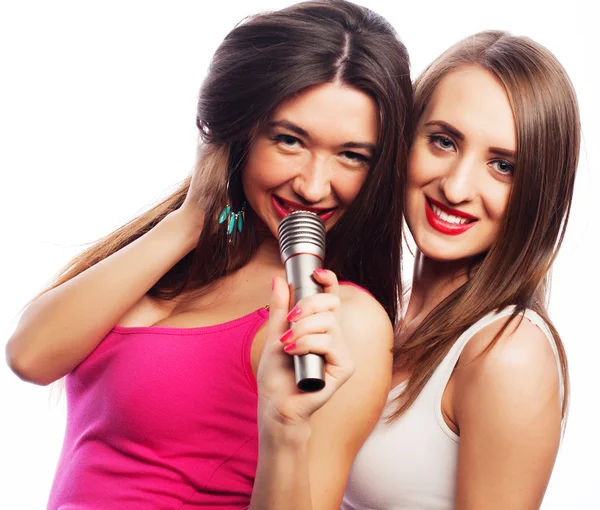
(97, 120)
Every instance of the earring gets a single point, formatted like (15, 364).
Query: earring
(234, 219)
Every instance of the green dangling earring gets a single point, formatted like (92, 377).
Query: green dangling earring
(235, 220)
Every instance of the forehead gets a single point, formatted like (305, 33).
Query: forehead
(475, 102)
(333, 109)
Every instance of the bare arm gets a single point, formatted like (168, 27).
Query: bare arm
(340, 428)
(60, 328)
(304, 461)
(509, 415)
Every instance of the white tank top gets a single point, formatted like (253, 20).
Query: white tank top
(412, 463)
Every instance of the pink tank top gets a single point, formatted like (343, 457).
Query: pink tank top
(162, 418)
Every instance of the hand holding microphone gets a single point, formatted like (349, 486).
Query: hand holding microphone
(305, 323)
(302, 248)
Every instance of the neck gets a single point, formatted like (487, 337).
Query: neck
(267, 253)
(433, 281)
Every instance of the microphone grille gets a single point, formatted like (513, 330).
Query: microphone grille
(301, 232)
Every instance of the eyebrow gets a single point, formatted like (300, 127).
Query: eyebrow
(455, 132)
(448, 127)
(302, 132)
(503, 152)
(289, 125)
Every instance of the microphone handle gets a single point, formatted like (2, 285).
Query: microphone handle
(309, 368)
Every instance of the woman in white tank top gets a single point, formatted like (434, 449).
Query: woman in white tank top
(480, 386)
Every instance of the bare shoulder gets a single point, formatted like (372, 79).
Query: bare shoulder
(364, 319)
(507, 405)
(522, 347)
(369, 335)
(518, 371)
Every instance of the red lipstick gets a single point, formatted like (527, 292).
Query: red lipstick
(284, 207)
(445, 227)
(449, 210)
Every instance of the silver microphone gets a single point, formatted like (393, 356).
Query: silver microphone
(302, 247)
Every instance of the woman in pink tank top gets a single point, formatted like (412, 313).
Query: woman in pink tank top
(175, 332)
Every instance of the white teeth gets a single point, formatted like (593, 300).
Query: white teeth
(448, 218)
(288, 207)
(292, 209)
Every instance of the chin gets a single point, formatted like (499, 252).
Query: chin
(449, 253)
(441, 256)
(437, 249)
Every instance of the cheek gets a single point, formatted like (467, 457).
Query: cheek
(422, 170)
(347, 186)
(260, 169)
(423, 167)
(496, 201)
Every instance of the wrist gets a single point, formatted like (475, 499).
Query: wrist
(188, 224)
(279, 434)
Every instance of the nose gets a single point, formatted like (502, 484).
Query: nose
(460, 182)
(313, 181)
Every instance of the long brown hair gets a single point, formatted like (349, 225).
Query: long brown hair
(261, 62)
(516, 270)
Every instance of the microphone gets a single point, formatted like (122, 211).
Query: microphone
(302, 248)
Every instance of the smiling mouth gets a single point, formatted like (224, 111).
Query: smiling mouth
(452, 219)
(444, 221)
(285, 207)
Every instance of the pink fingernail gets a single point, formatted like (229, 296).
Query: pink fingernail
(286, 336)
(320, 272)
(294, 312)
(289, 347)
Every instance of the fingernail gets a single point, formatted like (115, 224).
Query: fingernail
(289, 347)
(320, 272)
(286, 336)
(294, 312)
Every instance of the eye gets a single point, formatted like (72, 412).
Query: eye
(356, 158)
(442, 142)
(502, 166)
(287, 140)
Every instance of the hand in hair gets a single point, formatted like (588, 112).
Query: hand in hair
(63, 325)
(203, 183)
